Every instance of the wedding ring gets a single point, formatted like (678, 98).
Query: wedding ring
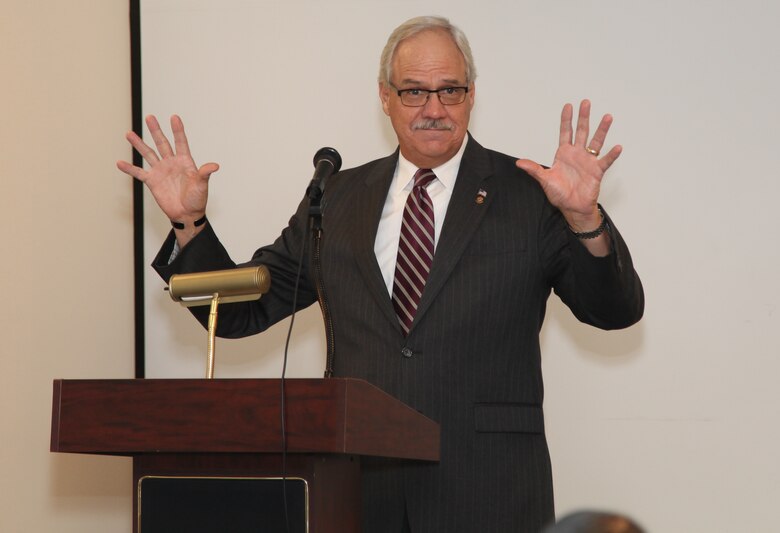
(592, 151)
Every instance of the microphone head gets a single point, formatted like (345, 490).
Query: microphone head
(330, 155)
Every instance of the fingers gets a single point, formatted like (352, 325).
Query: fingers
(531, 167)
(565, 134)
(583, 126)
(208, 169)
(606, 161)
(179, 137)
(597, 142)
(149, 155)
(160, 140)
(131, 170)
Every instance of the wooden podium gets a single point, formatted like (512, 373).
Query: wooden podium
(222, 433)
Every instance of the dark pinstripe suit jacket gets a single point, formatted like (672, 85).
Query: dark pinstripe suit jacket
(471, 360)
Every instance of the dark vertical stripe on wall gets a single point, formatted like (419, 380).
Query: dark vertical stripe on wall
(138, 199)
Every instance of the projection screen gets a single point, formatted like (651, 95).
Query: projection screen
(671, 421)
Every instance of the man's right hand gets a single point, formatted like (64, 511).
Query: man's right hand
(178, 186)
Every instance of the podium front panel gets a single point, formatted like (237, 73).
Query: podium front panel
(216, 505)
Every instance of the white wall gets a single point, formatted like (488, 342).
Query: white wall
(66, 238)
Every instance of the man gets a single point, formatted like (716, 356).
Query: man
(455, 337)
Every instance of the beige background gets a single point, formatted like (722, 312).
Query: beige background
(674, 421)
(66, 269)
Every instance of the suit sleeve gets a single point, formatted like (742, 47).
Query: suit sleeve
(205, 252)
(605, 292)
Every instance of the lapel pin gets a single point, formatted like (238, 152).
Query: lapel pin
(481, 195)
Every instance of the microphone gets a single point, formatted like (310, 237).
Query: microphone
(327, 162)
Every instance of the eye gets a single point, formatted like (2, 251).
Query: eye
(449, 90)
(413, 92)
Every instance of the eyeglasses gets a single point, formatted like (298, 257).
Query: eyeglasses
(419, 97)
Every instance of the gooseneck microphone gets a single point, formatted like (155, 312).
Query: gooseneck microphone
(327, 162)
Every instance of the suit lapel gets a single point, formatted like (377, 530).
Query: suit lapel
(368, 210)
(464, 214)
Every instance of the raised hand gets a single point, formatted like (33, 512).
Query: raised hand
(573, 182)
(178, 186)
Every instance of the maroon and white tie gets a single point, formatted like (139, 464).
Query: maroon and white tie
(415, 249)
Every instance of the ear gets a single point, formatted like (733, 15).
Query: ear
(384, 96)
(472, 94)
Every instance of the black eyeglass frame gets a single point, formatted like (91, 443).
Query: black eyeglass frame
(428, 95)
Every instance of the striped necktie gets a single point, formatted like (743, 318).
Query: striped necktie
(415, 249)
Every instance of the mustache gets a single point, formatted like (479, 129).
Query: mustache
(432, 124)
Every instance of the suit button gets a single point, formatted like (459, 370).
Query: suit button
(406, 352)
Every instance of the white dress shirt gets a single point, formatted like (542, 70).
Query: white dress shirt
(389, 231)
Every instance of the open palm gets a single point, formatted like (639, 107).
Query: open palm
(573, 182)
(178, 186)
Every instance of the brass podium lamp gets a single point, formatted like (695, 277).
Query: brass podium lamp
(219, 286)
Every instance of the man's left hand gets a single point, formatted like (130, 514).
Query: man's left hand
(573, 182)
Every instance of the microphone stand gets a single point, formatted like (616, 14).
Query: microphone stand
(315, 224)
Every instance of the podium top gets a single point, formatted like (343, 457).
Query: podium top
(141, 416)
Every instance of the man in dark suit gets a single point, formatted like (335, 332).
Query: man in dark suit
(456, 338)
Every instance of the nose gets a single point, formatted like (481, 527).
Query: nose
(433, 108)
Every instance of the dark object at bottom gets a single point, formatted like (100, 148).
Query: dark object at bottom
(209, 505)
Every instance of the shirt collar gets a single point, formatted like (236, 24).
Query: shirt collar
(445, 173)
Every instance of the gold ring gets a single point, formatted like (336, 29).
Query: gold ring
(592, 151)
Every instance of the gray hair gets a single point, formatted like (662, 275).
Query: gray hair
(417, 25)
